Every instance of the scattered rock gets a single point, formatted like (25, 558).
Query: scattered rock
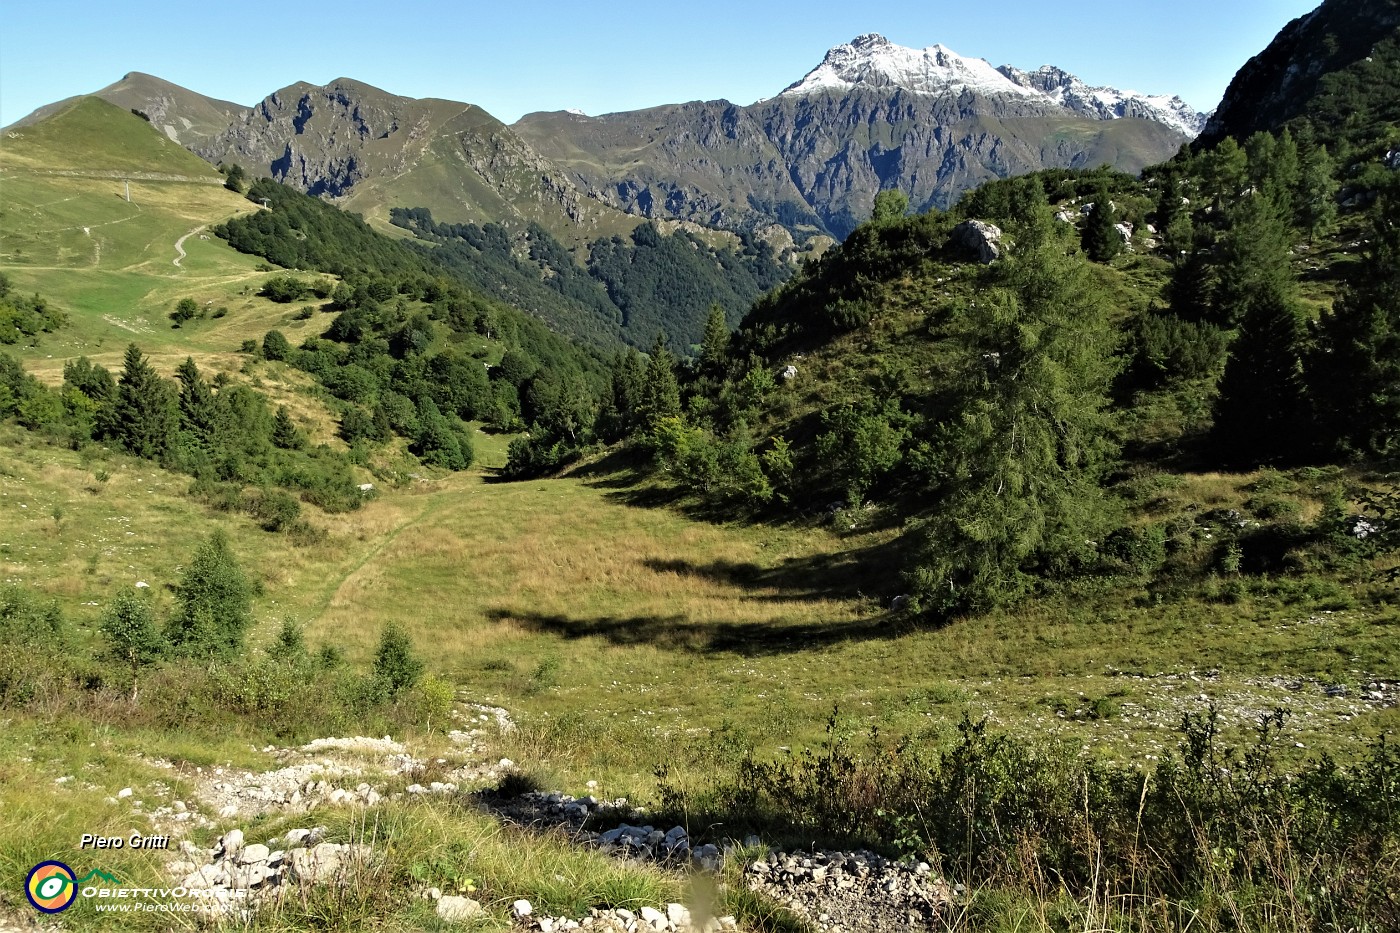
(455, 909)
(981, 238)
(857, 892)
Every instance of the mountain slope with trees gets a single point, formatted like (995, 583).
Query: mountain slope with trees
(1333, 70)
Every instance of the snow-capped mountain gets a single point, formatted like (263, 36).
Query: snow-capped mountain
(872, 62)
(1107, 103)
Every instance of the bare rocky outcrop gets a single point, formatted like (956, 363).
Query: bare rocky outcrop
(980, 238)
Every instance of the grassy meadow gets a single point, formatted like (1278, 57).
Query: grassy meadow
(622, 626)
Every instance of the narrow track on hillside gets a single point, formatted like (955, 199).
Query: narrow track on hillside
(372, 553)
(180, 243)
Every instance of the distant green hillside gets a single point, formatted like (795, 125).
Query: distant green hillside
(636, 287)
(118, 267)
(185, 116)
(93, 136)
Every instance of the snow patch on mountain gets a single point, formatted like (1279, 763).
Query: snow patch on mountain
(1107, 103)
(874, 62)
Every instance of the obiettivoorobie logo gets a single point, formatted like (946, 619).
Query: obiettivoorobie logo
(51, 886)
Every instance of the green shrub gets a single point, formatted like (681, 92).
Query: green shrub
(1139, 550)
(396, 666)
(284, 289)
(274, 509)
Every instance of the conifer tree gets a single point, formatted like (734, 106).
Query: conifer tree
(284, 431)
(1225, 170)
(1353, 373)
(1260, 414)
(396, 667)
(215, 603)
(198, 408)
(1252, 259)
(1101, 239)
(1316, 200)
(715, 342)
(661, 394)
(619, 416)
(1022, 453)
(1174, 219)
(144, 416)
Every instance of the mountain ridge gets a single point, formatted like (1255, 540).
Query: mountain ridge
(872, 61)
(808, 159)
(1334, 67)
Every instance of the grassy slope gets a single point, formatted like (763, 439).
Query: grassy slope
(620, 633)
(68, 232)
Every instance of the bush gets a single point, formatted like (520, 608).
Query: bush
(396, 667)
(185, 309)
(1137, 550)
(1168, 349)
(275, 346)
(215, 603)
(274, 509)
(284, 289)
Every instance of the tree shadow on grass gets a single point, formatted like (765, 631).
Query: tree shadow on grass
(679, 633)
(861, 573)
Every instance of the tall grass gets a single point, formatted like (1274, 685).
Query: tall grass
(1215, 837)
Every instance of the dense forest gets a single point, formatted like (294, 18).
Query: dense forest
(1203, 316)
(636, 288)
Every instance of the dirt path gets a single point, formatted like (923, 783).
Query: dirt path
(180, 243)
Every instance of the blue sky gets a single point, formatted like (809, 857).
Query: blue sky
(515, 57)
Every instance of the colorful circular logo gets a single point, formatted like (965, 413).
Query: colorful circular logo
(51, 887)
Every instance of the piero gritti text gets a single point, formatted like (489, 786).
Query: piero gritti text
(133, 841)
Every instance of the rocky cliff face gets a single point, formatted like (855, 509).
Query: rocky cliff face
(371, 150)
(870, 117)
(1338, 67)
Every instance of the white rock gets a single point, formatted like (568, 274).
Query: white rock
(453, 908)
(254, 854)
(124, 793)
(521, 908)
(231, 842)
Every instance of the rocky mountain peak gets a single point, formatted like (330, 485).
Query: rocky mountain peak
(1106, 103)
(872, 61)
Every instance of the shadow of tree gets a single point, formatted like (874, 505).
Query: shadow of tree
(872, 572)
(679, 633)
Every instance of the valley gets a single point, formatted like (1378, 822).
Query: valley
(936, 497)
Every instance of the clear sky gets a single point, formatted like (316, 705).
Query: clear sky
(515, 56)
